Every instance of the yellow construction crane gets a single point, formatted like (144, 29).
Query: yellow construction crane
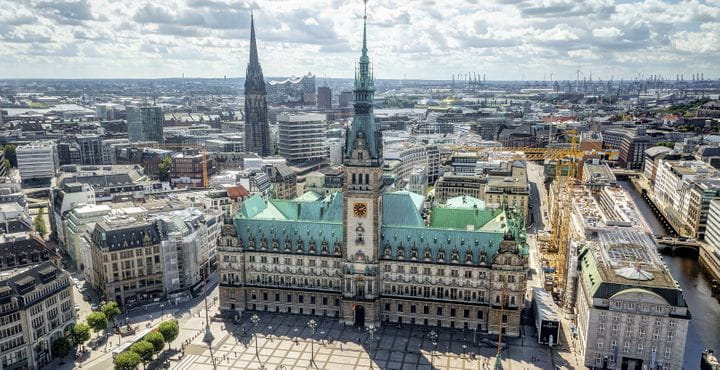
(568, 166)
(203, 151)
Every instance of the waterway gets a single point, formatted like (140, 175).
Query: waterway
(704, 331)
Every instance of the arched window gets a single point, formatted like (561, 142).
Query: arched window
(367, 179)
(353, 179)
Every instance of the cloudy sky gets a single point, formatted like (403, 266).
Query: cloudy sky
(503, 39)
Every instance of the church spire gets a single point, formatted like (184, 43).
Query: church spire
(253, 45)
(254, 80)
(257, 129)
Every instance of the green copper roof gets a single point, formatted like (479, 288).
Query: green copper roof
(302, 222)
(602, 285)
(301, 209)
(465, 202)
(402, 208)
(466, 218)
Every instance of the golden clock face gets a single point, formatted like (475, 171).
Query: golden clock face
(360, 209)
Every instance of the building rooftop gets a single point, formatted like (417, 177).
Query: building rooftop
(604, 209)
(627, 259)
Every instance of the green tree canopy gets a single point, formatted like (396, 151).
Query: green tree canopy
(39, 222)
(156, 339)
(127, 360)
(81, 333)
(169, 330)
(145, 349)
(164, 168)
(111, 310)
(60, 347)
(10, 153)
(97, 321)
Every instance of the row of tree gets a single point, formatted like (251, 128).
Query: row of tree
(96, 321)
(151, 345)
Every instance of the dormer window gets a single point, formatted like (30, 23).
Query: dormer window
(427, 255)
(455, 256)
(441, 256)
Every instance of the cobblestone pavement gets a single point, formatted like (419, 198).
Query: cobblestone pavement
(286, 342)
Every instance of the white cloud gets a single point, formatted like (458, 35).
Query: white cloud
(606, 32)
(503, 39)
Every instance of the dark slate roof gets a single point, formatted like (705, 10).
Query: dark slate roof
(126, 235)
(17, 253)
(27, 281)
(14, 226)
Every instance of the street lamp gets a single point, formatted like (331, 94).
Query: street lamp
(256, 320)
(312, 325)
(371, 330)
(433, 337)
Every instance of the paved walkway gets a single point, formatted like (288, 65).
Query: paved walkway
(285, 342)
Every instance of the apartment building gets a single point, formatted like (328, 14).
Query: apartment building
(36, 308)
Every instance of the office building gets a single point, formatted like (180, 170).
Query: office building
(37, 163)
(301, 137)
(145, 123)
(90, 149)
(324, 97)
(126, 260)
(683, 191)
(187, 248)
(631, 313)
(257, 128)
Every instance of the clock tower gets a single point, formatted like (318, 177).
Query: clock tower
(362, 187)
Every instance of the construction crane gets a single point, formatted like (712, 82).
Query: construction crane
(203, 151)
(569, 160)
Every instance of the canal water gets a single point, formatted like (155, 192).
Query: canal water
(704, 331)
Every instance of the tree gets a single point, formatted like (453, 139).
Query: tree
(81, 333)
(10, 154)
(144, 349)
(6, 164)
(156, 339)
(111, 310)
(60, 347)
(164, 168)
(127, 360)
(97, 321)
(39, 222)
(169, 330)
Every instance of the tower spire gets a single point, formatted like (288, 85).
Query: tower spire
(364, 44)
(253, 45)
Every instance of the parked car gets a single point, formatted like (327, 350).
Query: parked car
(94, 307)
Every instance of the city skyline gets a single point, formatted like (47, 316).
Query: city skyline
(502, 39)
